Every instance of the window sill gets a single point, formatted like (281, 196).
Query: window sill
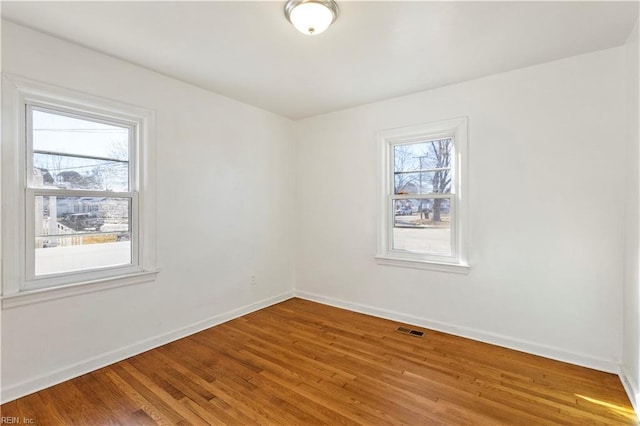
(458, 268)
(29, 297)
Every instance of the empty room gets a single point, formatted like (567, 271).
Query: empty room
(320, 212)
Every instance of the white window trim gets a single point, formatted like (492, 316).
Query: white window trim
(387, 139)
(15, 91)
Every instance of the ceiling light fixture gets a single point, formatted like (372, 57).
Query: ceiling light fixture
(311, 17)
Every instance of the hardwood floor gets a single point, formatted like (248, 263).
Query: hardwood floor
(300, 362)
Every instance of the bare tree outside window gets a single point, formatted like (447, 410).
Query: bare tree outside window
(422, 179)
(441, 151)
(404, 160)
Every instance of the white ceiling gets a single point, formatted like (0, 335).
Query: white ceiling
(375, 50)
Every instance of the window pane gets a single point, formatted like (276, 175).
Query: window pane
(434, 154)
(423, 182)
(80, 252)
(81, 215)
(81, 233)
(70, 172)
(422, 226)
(80, 137)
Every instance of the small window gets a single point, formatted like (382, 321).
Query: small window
(80, 170)
(80, 192)
(422, 209)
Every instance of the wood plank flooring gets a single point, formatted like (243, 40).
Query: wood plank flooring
(303, 363)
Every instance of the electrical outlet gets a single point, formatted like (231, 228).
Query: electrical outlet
(253, 280)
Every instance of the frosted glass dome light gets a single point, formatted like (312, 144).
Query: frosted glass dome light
(311, 17)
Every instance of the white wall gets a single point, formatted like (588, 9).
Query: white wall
(224, 212)
(546, 155)
(631, 351)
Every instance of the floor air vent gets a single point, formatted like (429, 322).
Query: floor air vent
(411, 332)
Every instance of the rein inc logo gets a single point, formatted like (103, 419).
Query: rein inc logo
(17, 421)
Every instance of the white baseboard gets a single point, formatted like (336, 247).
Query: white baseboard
(470, 333)
(66, 373)
(633, 391)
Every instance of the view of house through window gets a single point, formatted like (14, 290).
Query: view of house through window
(421, 200)
(80, 191)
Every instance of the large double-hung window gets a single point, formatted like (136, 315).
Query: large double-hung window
(81, 191)
(81, 184)
(422, 211)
